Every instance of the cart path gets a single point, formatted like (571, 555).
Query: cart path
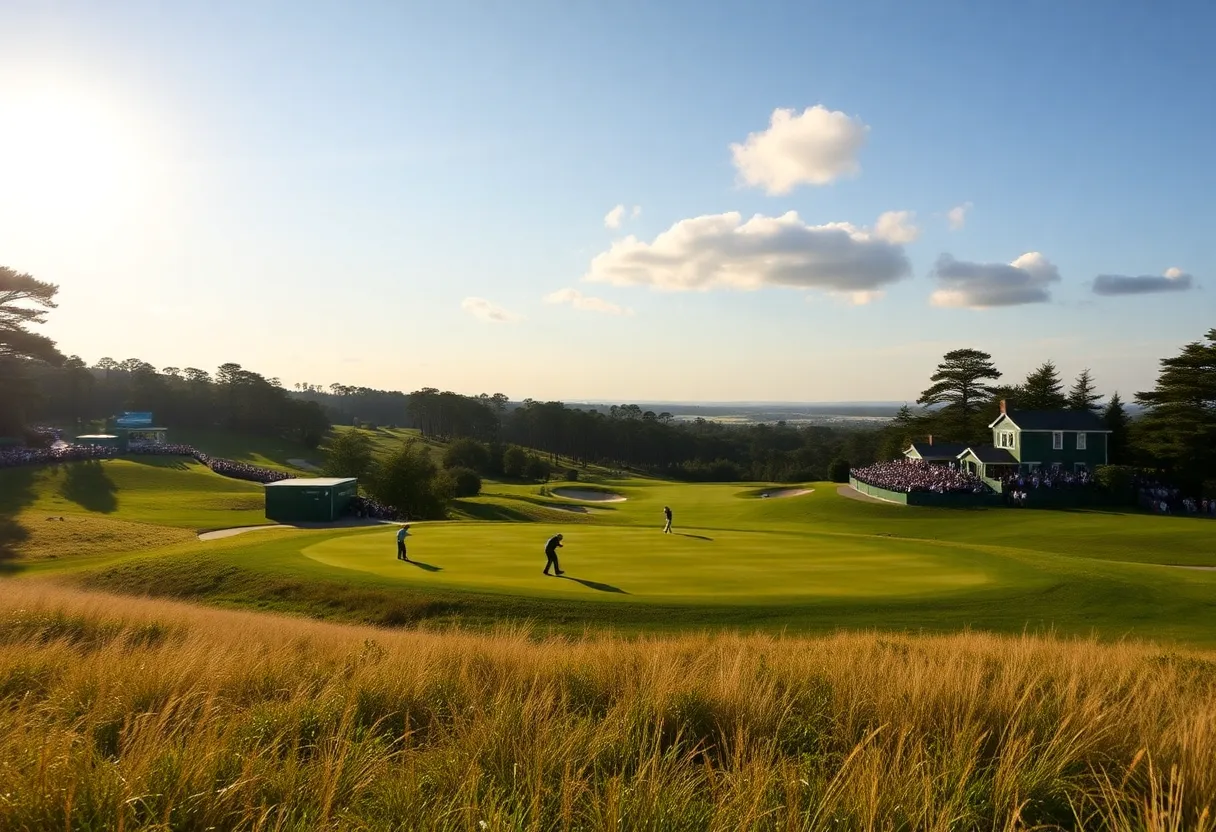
(351, 523)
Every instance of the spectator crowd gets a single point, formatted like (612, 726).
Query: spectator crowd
(908, 475)
(1159, 498)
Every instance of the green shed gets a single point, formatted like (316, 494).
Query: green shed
(310, 500)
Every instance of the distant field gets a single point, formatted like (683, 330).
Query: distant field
(815, 562)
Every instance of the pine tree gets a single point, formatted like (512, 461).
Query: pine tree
(1180, 425)
(1043, 389)
(1084, 395)
(1114, 417)
(959, 385)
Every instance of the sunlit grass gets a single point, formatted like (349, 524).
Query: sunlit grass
(138, 714)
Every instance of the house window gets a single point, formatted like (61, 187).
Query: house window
(1004, 439)
(1057, 440)
(1080, 441)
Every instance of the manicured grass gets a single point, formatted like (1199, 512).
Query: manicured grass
(166, 491)
(812, 562)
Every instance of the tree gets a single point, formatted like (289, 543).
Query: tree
(1084, 395)
(959, 385)
(1043, 389)
(838, 470)
(466, 453)
(1180, 423)
(514, 460)
(409, 481)
(465, 482)
(537, 469)
(349, 455)
(1116, 421)
(25, 301)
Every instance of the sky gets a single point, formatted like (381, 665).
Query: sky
(627, 201)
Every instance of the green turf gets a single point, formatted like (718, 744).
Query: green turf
(815, 561)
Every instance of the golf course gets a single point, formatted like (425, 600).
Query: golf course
(741, 556)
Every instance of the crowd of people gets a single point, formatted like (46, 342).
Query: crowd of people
(21, 455)
(1159, 498)
(65, 452)
(1048, 478)
(366, 507)
(907, 476)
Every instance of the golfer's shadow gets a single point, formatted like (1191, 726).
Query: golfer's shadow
(695, 536)
(596, 585)
(428, 567)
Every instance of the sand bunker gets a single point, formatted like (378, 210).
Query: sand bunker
(587, 495)
(785, 492)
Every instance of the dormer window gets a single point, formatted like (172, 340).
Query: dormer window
(1004, 439)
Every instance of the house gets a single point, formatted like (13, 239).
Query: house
(1071, 440)
(941, 453)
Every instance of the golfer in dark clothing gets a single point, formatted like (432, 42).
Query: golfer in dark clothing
(667, 517)
(551, 548)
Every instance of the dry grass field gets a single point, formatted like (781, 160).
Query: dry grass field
(122, 713)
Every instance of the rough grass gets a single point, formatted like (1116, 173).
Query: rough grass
(154, 715)
(73, 537)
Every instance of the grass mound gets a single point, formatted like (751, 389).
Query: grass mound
(73, 537)
(169, 716)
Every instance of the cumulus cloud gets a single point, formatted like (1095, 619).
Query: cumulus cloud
(983, 285)
(722, 251)
(957, 216)
(580, 301)
(483, 310)
(814, 148)
(897, 227)
(1174, 280)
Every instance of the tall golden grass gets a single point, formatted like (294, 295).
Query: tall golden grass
(128, 714)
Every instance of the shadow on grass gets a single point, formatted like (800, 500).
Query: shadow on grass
(16, 493)
(177, 463)
(489, 511)
(428, 567)
(694, 536)
(89, 486)
(596, 585)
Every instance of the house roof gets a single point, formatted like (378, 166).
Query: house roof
(939, 450)
(1045, 420)
(310, 482)
(990, 455)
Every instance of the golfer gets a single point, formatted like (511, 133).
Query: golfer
(402, 533)
(667, 517)
(551, 548)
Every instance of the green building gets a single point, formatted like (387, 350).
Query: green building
(1071, 440)
(1025, 441)
(310, 500)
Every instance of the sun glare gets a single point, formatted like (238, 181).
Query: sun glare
(68, 153)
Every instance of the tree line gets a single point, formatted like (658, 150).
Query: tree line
(1177, 433)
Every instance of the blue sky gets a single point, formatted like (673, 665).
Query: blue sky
(328, 193)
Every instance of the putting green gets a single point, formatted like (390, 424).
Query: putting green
(615, 563)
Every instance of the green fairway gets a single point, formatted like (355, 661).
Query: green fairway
(804, 558)
(613, 563)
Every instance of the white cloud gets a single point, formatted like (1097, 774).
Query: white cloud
(613, 218)
(984, 285)
(957, 216)
(897, 227)
(483, 310)
(722, 251)
(636, 212)
(580, 301)
(814, 148)
(1174, 280)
